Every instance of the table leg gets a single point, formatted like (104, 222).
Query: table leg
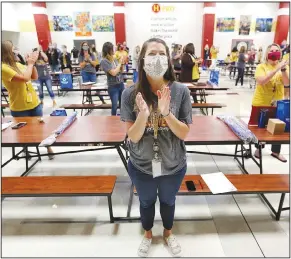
(261, 158)
(110, 209)
(122, 157)
(278, 214)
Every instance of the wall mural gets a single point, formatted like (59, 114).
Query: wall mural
(62, 23)
(102, 23)
(264, 24)
(82, 24)
(245, 24)
(225, 24)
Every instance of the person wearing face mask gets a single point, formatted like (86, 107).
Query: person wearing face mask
(113, 70)
(157, 112)
(271, 77)
(75, 53)
(283, 47)
(53, 58)
(65, 59)
(260, 55)
(18, 56)
(189, 68)
(88, 63)
(135, 63)
(96, 55)
(121, 53)
(16, 79)
(44, 77)
(125, 47)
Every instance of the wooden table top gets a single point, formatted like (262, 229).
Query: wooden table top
(207, 130)
(85, 130)
(249, 183)
(264, 136)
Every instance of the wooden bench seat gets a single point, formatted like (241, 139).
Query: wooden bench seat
(48, 186)
(245, 184)
(211, 106)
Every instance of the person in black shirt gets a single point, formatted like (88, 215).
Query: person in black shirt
(75, 53)
(65, 59)
(53, 58)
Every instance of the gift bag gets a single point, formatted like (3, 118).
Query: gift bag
(283, 110)
(66, 81)
(59, 112)
(214, 76)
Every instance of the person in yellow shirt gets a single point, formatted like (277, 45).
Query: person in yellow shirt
(121, 53)
(16, 79)
(271, 77)
(233, 59)
(287, 56)
(214, 51)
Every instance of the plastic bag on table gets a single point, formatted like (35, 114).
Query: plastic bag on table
(48, 141)
(239, 128)
(65, 124)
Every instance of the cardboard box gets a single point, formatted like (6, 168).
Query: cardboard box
(276, 126)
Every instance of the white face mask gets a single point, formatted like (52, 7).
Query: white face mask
(156, 66)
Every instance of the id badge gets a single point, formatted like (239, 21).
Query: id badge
(156, 168)
(29, 97)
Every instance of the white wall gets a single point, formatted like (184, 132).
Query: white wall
(257, 10)
(67, 38)
(188, 23)
(13, 13)
(9, 17)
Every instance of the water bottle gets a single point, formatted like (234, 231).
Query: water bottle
(263, 118)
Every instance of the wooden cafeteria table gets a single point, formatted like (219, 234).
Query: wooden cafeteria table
(193, 87)
(87, 91)
(265, 137)
(107, 132)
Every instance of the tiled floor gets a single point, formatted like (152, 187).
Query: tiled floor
(222, 226)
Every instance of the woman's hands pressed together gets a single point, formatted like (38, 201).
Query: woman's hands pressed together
(164, 99)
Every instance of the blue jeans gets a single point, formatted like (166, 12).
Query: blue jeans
(90, 77)
(147, 187)
(115, 92)
(36, 112)
(49, 87)
(55, 68)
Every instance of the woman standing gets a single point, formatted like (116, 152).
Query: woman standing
(53, 57)
(157, 112)
(176, 57)
(113, 70)
(189, 68)
(88, 63)
(65, 59)
(17, 80)
(271, 77)
(206, 54)
(44, 77)
(136, 53)
(96, 55)
(260, 55)
(233, 59)
(241, 66)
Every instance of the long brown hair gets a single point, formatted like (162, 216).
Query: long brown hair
(143, 85)
(7, 55)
